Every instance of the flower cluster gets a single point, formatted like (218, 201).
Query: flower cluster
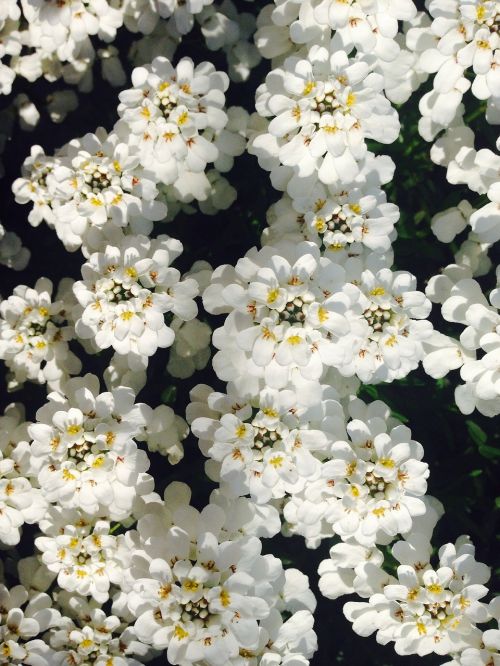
(127, 567)
(125, 292)
(34, 334)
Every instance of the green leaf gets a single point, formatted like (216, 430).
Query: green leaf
(489, 452)
(169, 395)
(476, 433)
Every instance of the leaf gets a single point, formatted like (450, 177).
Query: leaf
(476, 433)
(489, 452)
(169, 395)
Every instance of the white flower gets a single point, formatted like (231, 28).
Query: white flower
(378, 484)
(426, 610)
(341, 221)
(466, 38)
(287, 308)
(370, 483)
(99, 180)
(12, 253)
(32, 186)
(324, 108)
(181, 13)
(266, 447)
(23, 616)
(34, 334)
(467, 305)
(21, 501)
(168, 112)
(203, 597)
(126, 291)
(83, 449)
(89, 633)
(164, 432)
(81, 552)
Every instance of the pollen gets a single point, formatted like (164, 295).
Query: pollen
(67, 476)
(163, 86)
(127, 315)
(43, 312)
(434, 588)
(483, 44)
(164, 591)
(377, 291)
(320, 225)
(480, 12)
(225, 598)
(309, 87)
(186, 88)
(270, 412)
(131, 272)
(323, 315)
(295, 281)
(86, 643)
(272, 296)
(117, 166)
(73, 429)
(180, 633)
(96, 202)
(421, 628)
(390, 342)
(241, 430)
(387, 462)
(356, 208)
(351, 99)
(110, 438)
(379, 512)
(267, 334)
(183, 118)
(294, 340)
(277, 461)
(145, 112)
(190, 585)
(41, 344)
(98, 462)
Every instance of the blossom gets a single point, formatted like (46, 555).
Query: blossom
(325, 107)
(426, 609)
(81, 551)
(467, 305)
(369, 486)
(12, 253)
(201, 596)
(126, 291)
(25, 615)
(34, 334)
(168, 111)
(21, 501)
(266, 447)
(100, 180)
(87, 632)
(83, 449)
(343, 222)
